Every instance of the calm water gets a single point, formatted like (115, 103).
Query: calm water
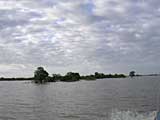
(106, 99)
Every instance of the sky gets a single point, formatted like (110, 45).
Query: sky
(85, 36)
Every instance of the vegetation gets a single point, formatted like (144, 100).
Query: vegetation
(16, 79)
(88, 77)
(42, 76)
(71, 76)
(56, 77)
(102, 75)
(132, 74)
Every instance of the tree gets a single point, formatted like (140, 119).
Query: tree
(56, 77)
(40, 75)
(132, 74)
(71, 76)
(99, 75)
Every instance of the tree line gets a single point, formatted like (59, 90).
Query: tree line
(41, 76)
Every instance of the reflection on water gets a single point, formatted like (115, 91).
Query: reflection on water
(107, 99)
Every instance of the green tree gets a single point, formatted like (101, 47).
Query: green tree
(99, 75)
(71, 76)
(56, 77)
(40, 75)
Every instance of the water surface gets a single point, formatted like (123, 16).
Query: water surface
(105, 99)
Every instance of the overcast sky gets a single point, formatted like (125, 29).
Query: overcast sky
(110, 36)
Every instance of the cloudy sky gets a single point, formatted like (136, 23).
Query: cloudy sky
(110, 36)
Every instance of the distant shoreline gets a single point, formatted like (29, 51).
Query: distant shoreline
(32, 78)
(16, 79)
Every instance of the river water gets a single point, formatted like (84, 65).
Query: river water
(104, 99)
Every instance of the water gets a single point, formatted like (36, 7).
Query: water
(106, 99)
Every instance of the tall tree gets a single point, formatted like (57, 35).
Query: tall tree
(40, 75)
(132, 74)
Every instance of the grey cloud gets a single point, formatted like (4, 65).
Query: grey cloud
(83, 36)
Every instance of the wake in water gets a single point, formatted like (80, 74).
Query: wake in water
(128, 115)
